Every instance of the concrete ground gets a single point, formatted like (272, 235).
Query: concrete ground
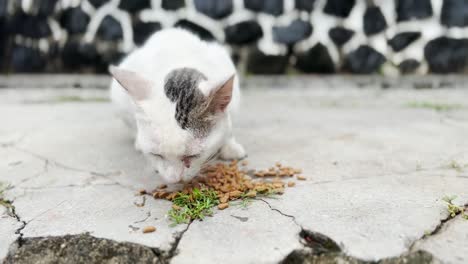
(378, 160)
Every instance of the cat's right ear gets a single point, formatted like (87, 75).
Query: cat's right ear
(136, 85)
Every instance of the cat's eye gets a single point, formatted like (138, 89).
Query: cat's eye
(192, 156)
(157, 155)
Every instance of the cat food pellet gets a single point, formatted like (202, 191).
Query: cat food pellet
(297, 171)
(142, 191)
(301, 178)
(251, 194)
(162, 186)
(291, 184)
(244, 163)
(277, 164)
(235, 194)
(176, 207)
(149, 229)
(223, 206)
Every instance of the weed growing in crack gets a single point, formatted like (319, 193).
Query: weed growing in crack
(192, 206)
(456, 166)
(439, 107)
(453, 209)
(4, 202)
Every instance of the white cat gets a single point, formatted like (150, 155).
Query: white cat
(178, 92)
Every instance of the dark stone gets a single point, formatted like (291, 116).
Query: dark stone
(97, 3)
(74, 20)
(201, 32)
(340, 35)
(402, 40)
(134, 5)
(254, 5)
(29, 26)
(110, 56)
(296, 31)
(272, 7)
(339, 8)
(455, 13)
(304, 256)
(110, 29)
(305, 5)
(261, 63)
(214, 8)
(446, 55)
(75, 55)
(413, 9)
(172, 4)
(3, 8)
(80, 249)
(142, 30)
(315, 60)
(409, 66)
(45, 7)
(243, 33)
(364, 60)
(26, 59)
(374, 21)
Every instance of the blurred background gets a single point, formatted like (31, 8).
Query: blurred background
(388, 37)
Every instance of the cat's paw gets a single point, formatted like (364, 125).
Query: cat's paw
(232, 150)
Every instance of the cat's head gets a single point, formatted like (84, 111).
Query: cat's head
(179, 127)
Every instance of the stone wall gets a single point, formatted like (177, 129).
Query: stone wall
(265, 36)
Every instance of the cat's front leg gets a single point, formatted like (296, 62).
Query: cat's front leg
(232, 150)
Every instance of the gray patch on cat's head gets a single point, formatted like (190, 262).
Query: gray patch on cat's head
(181, 87)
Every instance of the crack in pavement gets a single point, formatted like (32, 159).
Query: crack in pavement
(104, 175)
(443, 222)
(166, 256)
(323, 248)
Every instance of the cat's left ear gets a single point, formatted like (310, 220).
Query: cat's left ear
(136, 85)
(221, 96)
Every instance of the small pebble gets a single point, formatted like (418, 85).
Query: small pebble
(301, 178)
(291, 184)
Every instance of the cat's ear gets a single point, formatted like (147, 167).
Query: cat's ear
(136, 85)
(221, 97)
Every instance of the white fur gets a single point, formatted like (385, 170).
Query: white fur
(153, 119)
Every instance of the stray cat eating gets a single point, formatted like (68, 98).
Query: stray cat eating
(178, 94)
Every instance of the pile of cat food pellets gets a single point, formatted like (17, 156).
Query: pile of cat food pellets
(232, 181)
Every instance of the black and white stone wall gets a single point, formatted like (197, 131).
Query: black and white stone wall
(265, 36)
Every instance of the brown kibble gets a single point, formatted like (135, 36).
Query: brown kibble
(244, 163)
(251, 194)
(291, 184)
(223, 206)
(301, 178)
(142, 191)
(278, 190)
(297, 171)
(261, 188)
(224, 199)
(162, 186)
(278, 184)
(149, 229)
(278, 164)
(176, 207)
(235, 194)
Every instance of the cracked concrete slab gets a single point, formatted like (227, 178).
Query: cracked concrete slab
(377, 163)
(257, 231)
(450, 243)
(8, 227)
